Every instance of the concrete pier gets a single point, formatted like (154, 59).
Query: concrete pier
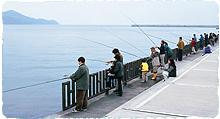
(194, 92)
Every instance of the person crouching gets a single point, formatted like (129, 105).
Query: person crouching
(170, 71)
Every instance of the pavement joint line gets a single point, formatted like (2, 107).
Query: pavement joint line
(195, 85)
(162, 89)
(211, 61)
(156, 112)
(206, 70)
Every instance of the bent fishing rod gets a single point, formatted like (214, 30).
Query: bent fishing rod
(178, 36)
(192, 29)
(155, 37)
(124, 41)
(140, 29)
(105, 45)
(37, 84)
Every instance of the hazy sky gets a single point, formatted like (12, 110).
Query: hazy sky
(101, 13)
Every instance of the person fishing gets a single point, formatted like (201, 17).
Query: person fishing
(110, 76)
(119, 73)
(211, 39)
(180, 49)
(155, 61)
(206, 39)
(201, 39)
(162, 52)
(193, 42)
(194, 36)
(169, 50)
(81, 76)
(116, 52)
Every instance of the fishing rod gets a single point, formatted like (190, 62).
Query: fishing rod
(33, 85)
(98, 61)
(124, 41)
(140, 29)
(178, 35)
(192, 29)
(95, 60)
(105, 45)
(155, 37)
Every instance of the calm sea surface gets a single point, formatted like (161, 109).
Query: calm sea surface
(37, 53)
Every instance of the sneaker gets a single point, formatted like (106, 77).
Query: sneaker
(84, 110)
(142, 81)
(75, 111)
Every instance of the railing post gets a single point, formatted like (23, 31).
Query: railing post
(73, 93)
(97, 83)
(90, 86)
(93, 85)
(125, 74)
(63, 97)
(100, 81)
(68, 93)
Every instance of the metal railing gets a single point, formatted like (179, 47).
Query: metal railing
(97, 81)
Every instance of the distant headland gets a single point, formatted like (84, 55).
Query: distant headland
(13, 17)
(206, 26)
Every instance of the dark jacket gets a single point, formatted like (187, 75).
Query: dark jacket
(118, 70)
(81, 76)
(169, 51)
(121, 58)
(162, 49)
(172, 71)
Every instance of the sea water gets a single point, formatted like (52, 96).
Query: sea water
(38, 53)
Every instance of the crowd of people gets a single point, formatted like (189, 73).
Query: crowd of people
(157, 59)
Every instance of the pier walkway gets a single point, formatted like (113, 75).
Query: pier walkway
(194, 92)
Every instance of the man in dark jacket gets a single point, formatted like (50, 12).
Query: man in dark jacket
(119, 73)
(116, 52)
(81, 76)
(162, 52)
(206, 39)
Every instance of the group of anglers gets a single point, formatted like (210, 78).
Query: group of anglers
(81, 76)
(209, 42)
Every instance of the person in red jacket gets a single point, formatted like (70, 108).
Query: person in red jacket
(193, 45)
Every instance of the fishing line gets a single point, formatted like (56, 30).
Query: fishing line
(105, 45)
(192, 29)
(140, 29)
(23, 87)
(155, 37)
(125, 41)
(179, 36)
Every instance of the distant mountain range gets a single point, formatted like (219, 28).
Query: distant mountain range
(13, 17)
